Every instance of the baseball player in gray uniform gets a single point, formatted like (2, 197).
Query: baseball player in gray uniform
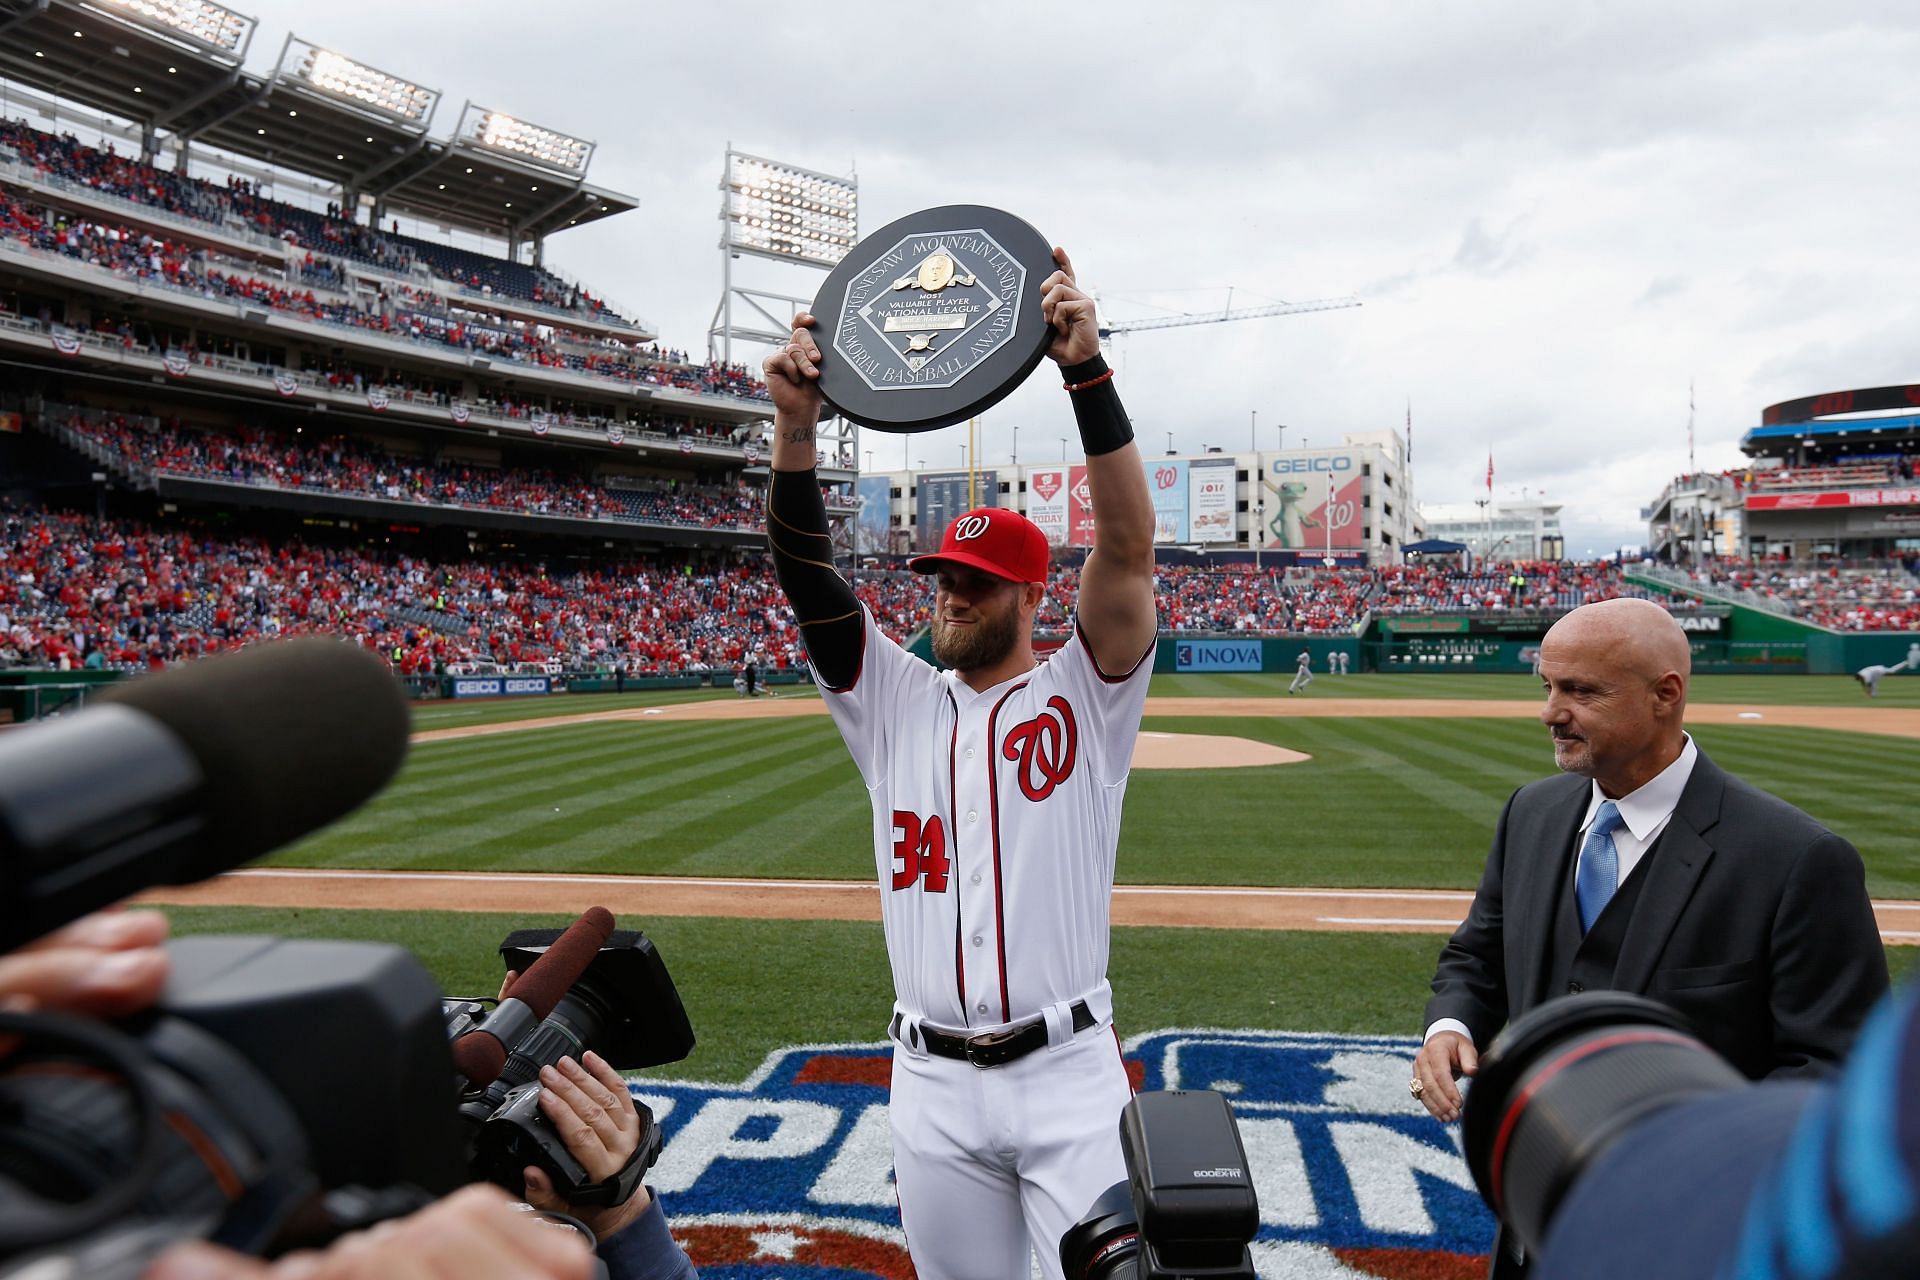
(1869, 676)
(996, 787)
(1302, 672)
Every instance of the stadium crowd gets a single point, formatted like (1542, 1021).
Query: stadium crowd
(85, 591)
(1551, 586)
(79, 591)
(146, 446)
(1845, 599)
(237, 204)
(316, 289)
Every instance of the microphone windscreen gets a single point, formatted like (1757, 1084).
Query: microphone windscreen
(479, 1056)
(561, 965)
(289, 736)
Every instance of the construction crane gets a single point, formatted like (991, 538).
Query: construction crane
(1108, 331)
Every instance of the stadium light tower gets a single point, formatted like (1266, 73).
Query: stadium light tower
(355, 83)
(528, 143)
(781, 212)
(221, 30)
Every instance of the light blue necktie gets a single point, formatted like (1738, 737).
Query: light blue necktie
(1599, 873)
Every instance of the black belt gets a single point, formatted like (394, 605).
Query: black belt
(990, 1048)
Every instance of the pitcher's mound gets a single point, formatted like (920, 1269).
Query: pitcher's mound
(1207, 751)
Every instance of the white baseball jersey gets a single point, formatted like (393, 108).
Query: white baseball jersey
(996, 816)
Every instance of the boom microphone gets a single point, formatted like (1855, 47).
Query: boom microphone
(480, 1054)
(175, 777)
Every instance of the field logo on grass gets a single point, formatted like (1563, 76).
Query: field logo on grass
(790, 1171)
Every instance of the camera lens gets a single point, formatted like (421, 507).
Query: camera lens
(1562, 1084)
(1106, 1240)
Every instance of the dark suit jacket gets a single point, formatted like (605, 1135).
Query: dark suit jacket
(1753, 921)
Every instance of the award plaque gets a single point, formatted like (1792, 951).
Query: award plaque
(933, 318)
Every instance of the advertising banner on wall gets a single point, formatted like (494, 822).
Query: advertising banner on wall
(871, 526)
(942, 496)
(1833, 498)
(1210, 500)
(1079, 508)
(1047, 503)
(1216, 655)
(1167, 486)
(1309, 494)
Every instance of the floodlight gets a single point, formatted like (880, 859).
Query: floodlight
(498, 131)
(783, 211)
(201, 21)
(369, 88)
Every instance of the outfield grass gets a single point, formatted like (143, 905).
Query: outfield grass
(1782, 691)
(751, 986)
(1811, 691)
(1383, 802)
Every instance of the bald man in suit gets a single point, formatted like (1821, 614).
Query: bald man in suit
(1647, 868)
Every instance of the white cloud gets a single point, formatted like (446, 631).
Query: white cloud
(1557, 215)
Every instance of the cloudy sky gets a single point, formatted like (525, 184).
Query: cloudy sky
(1557, 215)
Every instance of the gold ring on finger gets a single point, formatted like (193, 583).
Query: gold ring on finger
(1415, 1087)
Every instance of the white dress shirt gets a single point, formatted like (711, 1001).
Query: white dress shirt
(1644, 815)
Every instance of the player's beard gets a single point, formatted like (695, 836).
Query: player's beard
(983, 644)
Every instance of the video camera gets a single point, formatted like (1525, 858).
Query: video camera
(280, 1092)
(623, 1007)
(1611, 1142)
(1187, 1207)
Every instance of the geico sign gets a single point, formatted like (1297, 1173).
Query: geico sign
(1287, 466)
(529, 684)
(1701, 622)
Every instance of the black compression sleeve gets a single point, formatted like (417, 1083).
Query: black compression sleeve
(1103, 423)
(828, 611)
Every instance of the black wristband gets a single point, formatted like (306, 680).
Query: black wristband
(1096, 409)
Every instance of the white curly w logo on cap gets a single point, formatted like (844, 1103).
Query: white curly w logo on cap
(970, 527)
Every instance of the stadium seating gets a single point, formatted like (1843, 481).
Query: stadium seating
(143, 447)
(237, 204)
(398, 311)
(1845, 599)
(81, 591)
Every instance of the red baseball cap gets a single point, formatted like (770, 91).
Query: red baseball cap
(995, 540)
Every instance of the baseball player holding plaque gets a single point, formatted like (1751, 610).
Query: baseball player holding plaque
(996, 787)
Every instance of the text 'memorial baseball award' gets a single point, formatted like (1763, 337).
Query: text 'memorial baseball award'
(934, 318)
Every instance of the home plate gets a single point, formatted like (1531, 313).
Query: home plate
(1207, 751)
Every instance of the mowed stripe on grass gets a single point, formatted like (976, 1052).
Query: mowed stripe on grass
(1384, 802)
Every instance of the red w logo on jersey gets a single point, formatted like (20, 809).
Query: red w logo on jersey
(1045, 748)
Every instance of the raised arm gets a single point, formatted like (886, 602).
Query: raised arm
(1115, 609)
(828, 611)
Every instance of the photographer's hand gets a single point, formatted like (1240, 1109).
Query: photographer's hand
(104, 965)
(474, 1234)
(594, 1115)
